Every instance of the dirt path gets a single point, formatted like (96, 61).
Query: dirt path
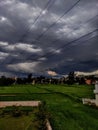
(19, 103)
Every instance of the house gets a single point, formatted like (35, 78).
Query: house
(88, 81)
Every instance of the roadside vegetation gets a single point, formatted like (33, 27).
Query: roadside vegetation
(17, 118)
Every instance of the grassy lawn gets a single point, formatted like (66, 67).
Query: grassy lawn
(20, 123)
(63, 102)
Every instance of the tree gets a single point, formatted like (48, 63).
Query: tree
(29, 78)
(71, 78)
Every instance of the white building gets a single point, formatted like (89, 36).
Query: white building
(96, 93)
(92, 101)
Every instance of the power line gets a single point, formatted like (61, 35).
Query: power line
(49, 53)
(84, 42)
(56, 65)
(41, 35)
(71, 42)
(47, 7)
(67, 44)
(88, 21)
(91, 19)
(37, 41)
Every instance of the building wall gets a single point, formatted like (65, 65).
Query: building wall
(88, 81)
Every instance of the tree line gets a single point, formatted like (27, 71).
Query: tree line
(70, 79)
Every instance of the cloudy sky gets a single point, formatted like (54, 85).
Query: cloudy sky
(36, 35)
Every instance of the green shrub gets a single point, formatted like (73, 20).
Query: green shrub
(41, 116)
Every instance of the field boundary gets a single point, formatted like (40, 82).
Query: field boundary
(48, 125)
(19, 103)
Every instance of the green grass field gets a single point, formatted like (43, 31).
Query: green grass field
(63, 102)
(20, 123)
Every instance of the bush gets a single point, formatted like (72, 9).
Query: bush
(41, 116)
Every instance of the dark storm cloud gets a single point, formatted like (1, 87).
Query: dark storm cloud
(35, 35)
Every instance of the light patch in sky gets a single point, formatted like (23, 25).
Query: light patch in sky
(2, 19)
(3, 55)
(22, 46)
(53, 50)
(3, 44)
(24, 67)
(70, 59)
(44, 12)
(42, 59)
(52, 73)
(28, 47)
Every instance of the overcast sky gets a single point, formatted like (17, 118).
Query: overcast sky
(36, 35)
